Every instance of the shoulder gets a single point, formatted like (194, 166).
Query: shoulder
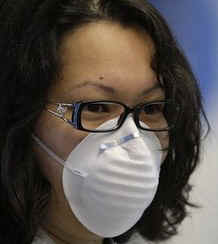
(42, 238)
(136, 238)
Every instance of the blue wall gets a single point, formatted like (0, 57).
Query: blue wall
(195, 24)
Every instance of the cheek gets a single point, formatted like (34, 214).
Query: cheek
(164, 141)
(58, 135)
(61, 138)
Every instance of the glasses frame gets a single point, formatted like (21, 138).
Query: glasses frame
(78, 106)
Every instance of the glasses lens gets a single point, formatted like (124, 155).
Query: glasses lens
(159, 115)
(95, 114)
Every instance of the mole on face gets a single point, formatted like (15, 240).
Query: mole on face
(101, 78)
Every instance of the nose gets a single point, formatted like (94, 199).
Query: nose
(129, 113)
(129, 124)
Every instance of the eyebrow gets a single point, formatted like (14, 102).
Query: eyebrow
(111, 90)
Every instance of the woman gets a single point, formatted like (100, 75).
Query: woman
(100, 123)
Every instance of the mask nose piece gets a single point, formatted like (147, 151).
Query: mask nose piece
(128, 131)
(118, 142)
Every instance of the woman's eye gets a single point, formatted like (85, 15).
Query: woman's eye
(97, 108)
(154, 109)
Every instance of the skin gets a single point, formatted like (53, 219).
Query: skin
(107, 54)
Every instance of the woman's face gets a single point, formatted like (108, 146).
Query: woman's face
(101, 61)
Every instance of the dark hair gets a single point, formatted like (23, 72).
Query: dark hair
(30, 35)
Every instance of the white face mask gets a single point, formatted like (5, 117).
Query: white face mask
(109, 179)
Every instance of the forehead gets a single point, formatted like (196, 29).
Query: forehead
(107, 53)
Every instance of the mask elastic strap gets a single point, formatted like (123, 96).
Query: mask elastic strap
(57, 158)
(49, 151)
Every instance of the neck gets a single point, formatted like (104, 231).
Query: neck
(59, 240)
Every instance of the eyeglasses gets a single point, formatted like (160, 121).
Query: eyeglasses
(89, 116)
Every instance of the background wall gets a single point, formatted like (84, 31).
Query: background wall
(195, 24)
